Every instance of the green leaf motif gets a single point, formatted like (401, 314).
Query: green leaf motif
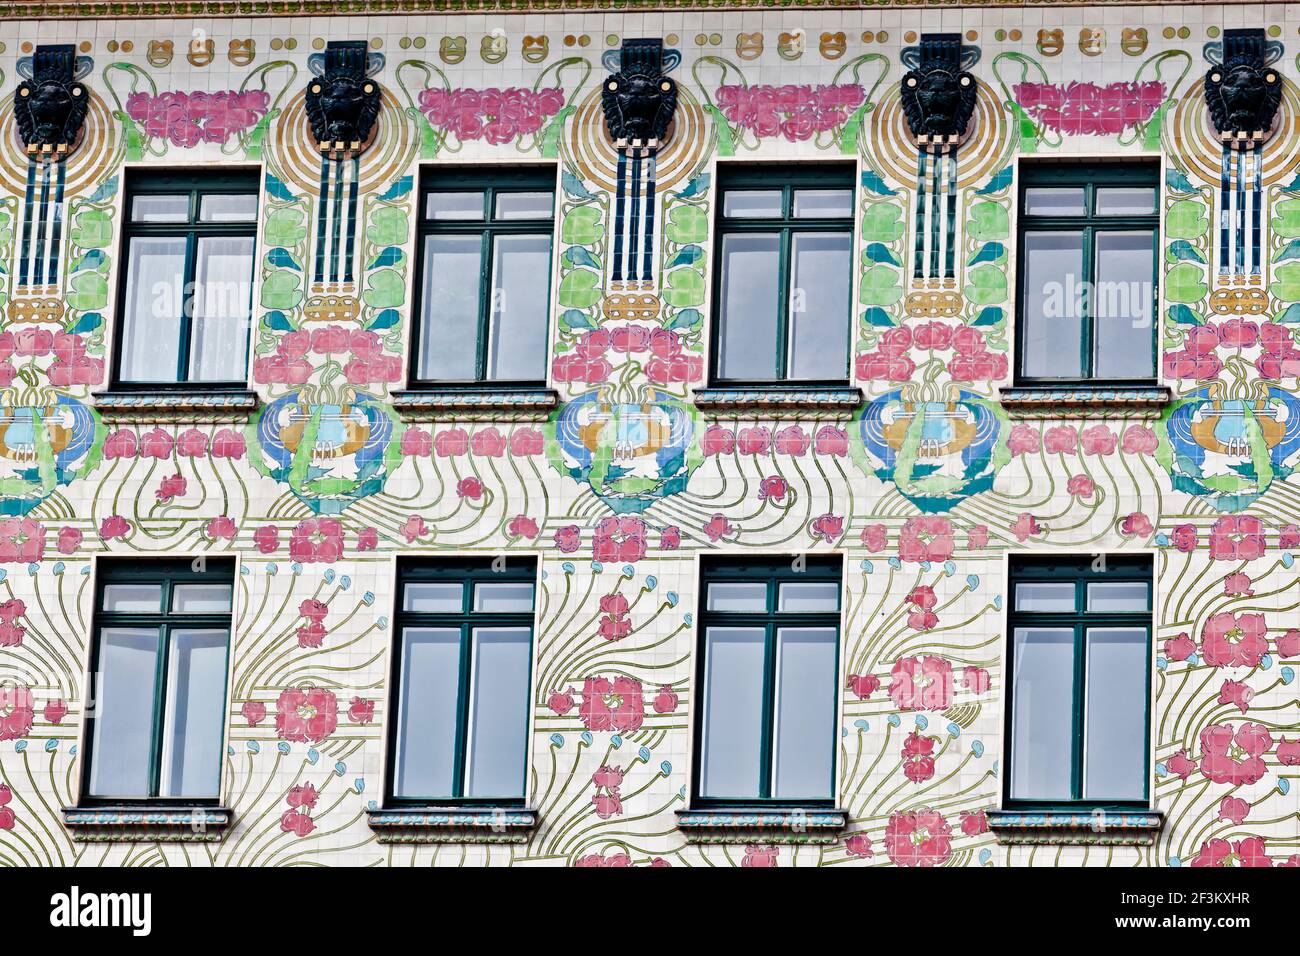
(1286, 282)
(881, 285)
(281, 290)
(384, 289)
(93, 229)
(685, 288)
(988, 221)
(581, 227)
(882, 222)
(687, 224)
(987, 285)
(89, 292)
(1183, 250)
(387, 226)
(1183, 283)
(1286, 218)
(879, 252)
(1182, 315)
(1186, 220)
(284, 227)
(578, 289)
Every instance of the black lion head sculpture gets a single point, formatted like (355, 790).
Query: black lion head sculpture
(50, 104)
(638, 98)
(937, 91)
(342, 99)
(1242, 90)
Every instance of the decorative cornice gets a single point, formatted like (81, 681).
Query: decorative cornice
(174, 405)
(1094, 828)
(778, 400)
(126, 824)
(175, 9)
(453, 824)
(1085, 402)
(759, 825)
(513, 404)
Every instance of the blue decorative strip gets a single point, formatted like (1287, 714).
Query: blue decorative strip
(1224, 175)
(1239, 237)
(352, 219)
(56, 236)
(919, 251)
(634, 214)
(26, 250)
(336, 219)
(1257, 184)
(619, 205)
(39, 251)
(321, 215)
(647, 268)
(950, 242)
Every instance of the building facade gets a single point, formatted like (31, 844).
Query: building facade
(818, 436)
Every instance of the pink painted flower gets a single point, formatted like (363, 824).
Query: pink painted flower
(974, 822)
(1288, 752)
(1237, 538)
(568, 539)
(1136, 524)
(670, 539)
(560, 702)
(978, 536)
(1238, 333)
(1139, 440)
(718, 527)
(1184, 538)
(22, 540)
(795, 113)
(859, 845)
(7, 818)
(1238, 584)
(918, 757)
(254, 712)
(614, 627)
(1237, 693)
(1235, 757)
(191, 443)
(976, 680)
(1181, 765)
(882, 366)
(413, 528)
(114, 526)
(311, 635)
(1234, 640)
(831, 441)
(1180, 648)
(156, 444)
(1080, 486)
(1288, 645)
(921, 683)
(1219, 852)
(620, 539)
(1085, 108)
(754, 441)
(617, 860)
(69, 540)
(665, 701)
(772, 488)
(451, 442)
(228, 443)
(306, 714)
(1098, 440)
(17, 711)
(1062, 439)
(297, 822)
(922, 597)
(416, 443)
(717, 441)
(875, 538)
(316, 540)
(612, 704)
(267, 538)
(926, 539)
(368, 539)
(470, 488)
(494, 115)
(120, 444)
(522, 526)
(55, 711)
(1026, 526)
(488, 443)
(361, 711)
(918, 838)
(187, 119)
(526, 441)
(760, 857)
(171, 487)
(221, 527)
(1024, 440)
(828, 527)
(863, 685)
(791, 440)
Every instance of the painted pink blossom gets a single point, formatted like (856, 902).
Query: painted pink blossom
(978, 536)
(1237, 693)
(828, 527)
(665, 701)
(114, 526)
(1288, 752)
(1139, 440)
(1197, 360)
(1237, 538)
(120, 444)
(831, 441)
(171, 487)
(1025, 526)
(1062, 439)
(413, 528)
(560, 702)
(670, 539)
(918, 757)
(297, 822)
(17, 711)
(1238, 333)
(881, 366)
(1090, 109)
(191, 443)
(620, 540)
(974, 822)
(717, 441)
(1219, 852)
(1234, 640)
(1098, 440)
(488, 443)
(863, 685)
(923, 599)
(1289, 536)
(918, 838)
(859, 845)
(526, 441)
(1180, 648)
(55, 711)
(612, 704)
(1136, 524)
(522, 526)
(1237, 585)
(221, 527)
(921, 683)
(754, 441)
(796, 113)
(267, 538)
(1184, 538)
(1181, 765)
(368, 539)
(494, 115)
(306, 714)
(976, 680)
(254, 712)
(760, 857)
(1024, 440)
(1080, 486)
(718, 527)
(875, 538)
(470, 488)
(156, 444)
(568, 539)
(316, 540)
(1288, 645)
(1235, 757)
(791, 440)
(228, 443)
(451, 443)
(361, 711)
(69, 540)
(926, 539)
(416, 443)
(188, 118)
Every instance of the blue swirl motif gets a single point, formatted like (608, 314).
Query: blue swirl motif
(631, 454)
(42, 447)
(329, 455)
(936, 453)
(1230, 451)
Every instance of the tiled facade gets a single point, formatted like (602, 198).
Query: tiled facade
(780, 474)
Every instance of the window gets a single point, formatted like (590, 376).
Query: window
(1080, 656)
(187, 287)
(768, 673)
(461, 673)
(784, 274)
(162, 637)
(485, 268)
(1087, 267)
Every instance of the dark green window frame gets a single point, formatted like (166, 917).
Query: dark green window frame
(773, 574)
(197, 185)
(168, 574)
(467, 573)
(1081, 570)
(493, 182)
(1038, 174)
(787, 178)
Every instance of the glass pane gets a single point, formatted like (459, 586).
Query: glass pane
(201, 598)
(1045, 597)
(813, 596)
(737, 596)
(223, 290)
(123, 711)
(804, 734)
(732, 736)
(161, 208)
(228, 207)
(750, 300)
(133, 598)
(1123, 300)
(449, 335)
(1052, 286)
(521, 276)
(1119, 596)
(752, 203)
(1042, 719)
(515, 597)
(498, 719)
(1055, 201)
(154, 300)
(524, 205)
(195, 714)
(1126, 201)
(823, 203)
(425, 752)
(466, 205)
(1115, 739)
(820, 289)
(433, 598)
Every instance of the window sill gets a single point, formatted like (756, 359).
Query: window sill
(779, 398)
(1076, 827)
(453, 824)
(1085, 401)
(147, 824)
(762, 825)
(182, 404)
(428, 404)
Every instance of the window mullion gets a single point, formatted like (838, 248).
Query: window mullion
(159, 708)
(785, 272)
(765, 790)
(462, 712)
(485, 303)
